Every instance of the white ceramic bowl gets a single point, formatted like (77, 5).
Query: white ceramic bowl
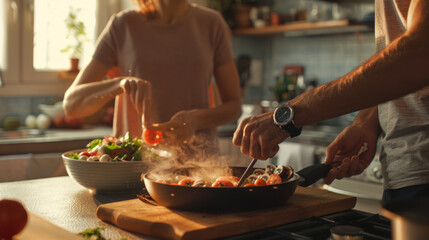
(105, 176)
(52, 111)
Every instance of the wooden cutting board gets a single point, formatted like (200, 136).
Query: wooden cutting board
(38, 228)
(158, 221)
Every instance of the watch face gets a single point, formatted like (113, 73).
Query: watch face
(283, 115)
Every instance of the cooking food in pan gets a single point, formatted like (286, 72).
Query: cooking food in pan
(272, 174)
(216, 199)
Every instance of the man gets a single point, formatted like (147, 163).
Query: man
(398, 72)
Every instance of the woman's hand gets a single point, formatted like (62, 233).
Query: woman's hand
(346, 150)
(137, 89)
(178, 130)
(259, 137)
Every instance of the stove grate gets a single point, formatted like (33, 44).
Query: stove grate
(375, 227)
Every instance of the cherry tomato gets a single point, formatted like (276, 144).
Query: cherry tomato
(186, 182)
(249, 185)
(152, 137)
(13, 218)
(232, 179)
(235, 178)
(222, 183)
(88, 154)
(274, 179)
(260, 182)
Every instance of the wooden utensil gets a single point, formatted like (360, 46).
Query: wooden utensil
(246, 173)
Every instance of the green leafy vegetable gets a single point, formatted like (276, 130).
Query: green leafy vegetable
(74, 155)
(94, 143)
(95, 234)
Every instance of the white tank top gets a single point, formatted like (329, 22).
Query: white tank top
(405, 121)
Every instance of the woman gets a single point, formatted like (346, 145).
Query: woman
(168, 49)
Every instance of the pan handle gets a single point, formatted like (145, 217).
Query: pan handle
(313, 173)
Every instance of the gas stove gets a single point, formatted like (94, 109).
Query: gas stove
(352, 223)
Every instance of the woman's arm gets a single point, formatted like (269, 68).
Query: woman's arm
(229, 110)
(183, 125)
(88, 93)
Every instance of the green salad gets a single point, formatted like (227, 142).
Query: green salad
(115, 149)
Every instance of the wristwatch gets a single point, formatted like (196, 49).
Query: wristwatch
(283, 117)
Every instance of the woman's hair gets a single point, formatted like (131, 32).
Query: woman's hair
(149, 8)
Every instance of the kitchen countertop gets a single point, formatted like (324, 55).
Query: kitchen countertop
(63, 202)
(51, 140)
(66, 204)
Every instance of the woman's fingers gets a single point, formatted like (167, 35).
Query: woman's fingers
(137, 89)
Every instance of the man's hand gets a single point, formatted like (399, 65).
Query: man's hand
(259, 137)
(353, 150)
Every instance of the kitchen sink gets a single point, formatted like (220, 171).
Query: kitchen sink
(21, 133)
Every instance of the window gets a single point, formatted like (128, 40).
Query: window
(2, 36)
(32, 34)
(50, 32)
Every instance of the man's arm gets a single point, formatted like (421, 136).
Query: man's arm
(399, 69)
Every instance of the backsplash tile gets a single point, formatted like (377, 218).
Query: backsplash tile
(323, 57)
(21, 107)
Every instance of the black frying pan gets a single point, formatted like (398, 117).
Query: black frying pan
(211, 199)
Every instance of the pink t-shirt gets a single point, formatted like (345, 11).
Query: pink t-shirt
(178, 59)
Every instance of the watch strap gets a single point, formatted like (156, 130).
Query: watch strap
(291, 129)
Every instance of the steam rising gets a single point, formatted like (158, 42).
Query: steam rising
(198, 159)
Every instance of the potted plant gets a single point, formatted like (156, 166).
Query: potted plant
(77, 36)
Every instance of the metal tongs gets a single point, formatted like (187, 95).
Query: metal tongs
(247, 172)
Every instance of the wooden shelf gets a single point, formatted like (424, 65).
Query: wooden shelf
(305, 28)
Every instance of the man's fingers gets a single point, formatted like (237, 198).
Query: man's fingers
(331, 151)
(255, 147)
(273, 151)
(331, 176)
(245, 142)
(238, 134)
(246, 137)
(355, 167)
(343, 168)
